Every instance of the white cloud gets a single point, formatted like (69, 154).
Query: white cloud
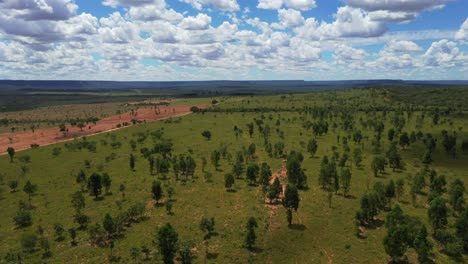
(115, 3)
(388, 16)
(345, 54)
(290, 18)
(397, 5)
(350, 23)
(402, 46)
(462, 34)
(228, 5)
(200, 22)
(295, 4)
(443, 53)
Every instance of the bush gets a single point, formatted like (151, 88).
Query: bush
(22, 218)
(28, 242)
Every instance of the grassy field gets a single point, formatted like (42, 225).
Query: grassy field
(319, 235)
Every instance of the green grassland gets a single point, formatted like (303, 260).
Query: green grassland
(319, 235)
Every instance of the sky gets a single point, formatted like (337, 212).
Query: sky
(181, 40)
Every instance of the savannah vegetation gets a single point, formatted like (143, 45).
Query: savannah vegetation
(355, 176)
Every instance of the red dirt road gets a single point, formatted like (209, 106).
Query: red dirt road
(47, 136)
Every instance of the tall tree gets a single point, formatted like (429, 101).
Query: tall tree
(95, 184)
(312, 147)
(228, 181)
(250, 236)
(106, 182)
(156, 191)
(291, 199)
(252, 172)
(265, 174)
(346, 180)
(30, 189)
(167, 243)
(11, 152)
(437, 213)
(456, 195)
(78, 201)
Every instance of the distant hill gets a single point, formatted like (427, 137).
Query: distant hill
(220, 86)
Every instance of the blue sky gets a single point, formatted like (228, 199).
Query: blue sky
(233, 39)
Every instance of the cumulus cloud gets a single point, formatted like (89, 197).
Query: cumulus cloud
(350, 23)
(462, 34)
(295, 4)
(115, 3)
(443, 53)
(199, 22)
(345, 54)
(289, 18)
(397, 5)
(402, 46)
(229, 5)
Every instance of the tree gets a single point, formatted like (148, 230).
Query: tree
(427, 159)
(207, 227)
(462, 228)
(185, 252)
(228, 181)
(72, 233)
(391, 134)
(250, 236)
(109, 225)
(395, 243)
(106, 182)
(206, 134)
(357, 156)
(237, 169)
(295, 172)
(215, 158)
(250, 126)
(346, 180)
(122, 190)
(422, 245)
(23, 218)
(312, 147)
(291, 199)
(456, 193)
(450, 142)
(167, 243)
(13, 185)
(59, 232)
(132, 162)
(390, 192)
(151, 164)
(156, 191)
(378, 165)
(135, 253)
(437, 213)
(29, 242)
(81, 179)
(252, 173)
(82, 220)
(438, 185)
(265, 174)
(30, 189)
(400, 188)
(274, 190)
(95, 185)
(404, 140)
(11, 153)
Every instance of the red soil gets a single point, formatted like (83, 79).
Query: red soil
(47, 136)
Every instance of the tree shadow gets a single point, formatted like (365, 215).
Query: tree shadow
(256, 250)
(374, 224)
(212, 255)
(159, 204)
(299, 227)
(99, 198)
(231, 190)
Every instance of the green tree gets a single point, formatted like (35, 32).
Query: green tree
(134, 253)
(404, 140)
(456, 195)
(156, 191)
(295, 172)
(265, 174)
(207, 226)
(215, 158)
(72, 233)
(81, 179)
(378, 165)
(438, 184)
(390, 192)
(95, 185)
(11, 152)
(346, 180)
(206, 134)
(461, 227)
(250, 236)
(312, 147)
(291, 199)
(228, 181)
(400, 188)
(437, 213)
(109, 225)
(13, 185)
(59, 232)
(237, 169)
(29, 241)
(252, 173)
(185, 252)
(167, 243)
(357, 156)
(30, 189)
(106, 182)
(23, 218)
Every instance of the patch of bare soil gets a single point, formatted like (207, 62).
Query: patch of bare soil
(42, 137)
